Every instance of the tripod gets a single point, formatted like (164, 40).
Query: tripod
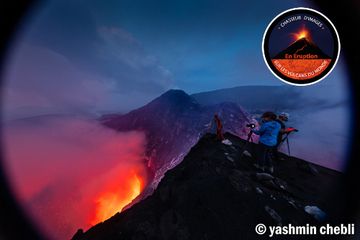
(248, 140)
(286, 139)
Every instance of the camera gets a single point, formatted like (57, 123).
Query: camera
(291, 129)
(251, 125)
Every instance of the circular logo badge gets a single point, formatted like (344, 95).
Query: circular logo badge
(301, 46)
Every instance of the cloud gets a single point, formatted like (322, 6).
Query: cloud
(39, 80)
(126, 60)
(78, 65)
(63, 168)
(323, 136)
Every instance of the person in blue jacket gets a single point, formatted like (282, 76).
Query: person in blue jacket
(268, 133)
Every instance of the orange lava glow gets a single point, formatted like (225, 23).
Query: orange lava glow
(302, 33)
(115, 198)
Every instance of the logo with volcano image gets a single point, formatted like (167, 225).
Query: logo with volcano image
(301, 46)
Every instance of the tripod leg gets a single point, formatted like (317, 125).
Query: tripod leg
(283, 140)
(288, 146)
(248, 140)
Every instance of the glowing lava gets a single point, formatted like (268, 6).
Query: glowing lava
(115, 199)
(302, 33)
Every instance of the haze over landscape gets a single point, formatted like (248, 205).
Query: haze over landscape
(75, 62)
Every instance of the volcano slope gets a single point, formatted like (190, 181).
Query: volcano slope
(213, 194)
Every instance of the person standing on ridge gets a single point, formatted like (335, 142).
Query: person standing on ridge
(268, 133)
(219, 127)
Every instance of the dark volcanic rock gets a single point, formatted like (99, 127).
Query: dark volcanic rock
(207, 196)
(78, 234)
(173, 123)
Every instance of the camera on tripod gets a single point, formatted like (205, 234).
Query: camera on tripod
(290, 130)
(287, 132)
(251, 125)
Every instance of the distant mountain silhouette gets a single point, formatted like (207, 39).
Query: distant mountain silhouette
(213, 194)
(255, 98)
(302, 46)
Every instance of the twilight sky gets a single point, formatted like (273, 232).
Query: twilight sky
(104, 56)
(89, 57)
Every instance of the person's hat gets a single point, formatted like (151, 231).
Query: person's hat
(270, 115)
(284, 115)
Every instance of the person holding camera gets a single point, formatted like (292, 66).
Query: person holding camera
(268, 133)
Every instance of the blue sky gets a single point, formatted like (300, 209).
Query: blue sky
(204, 44)
(113, 56)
